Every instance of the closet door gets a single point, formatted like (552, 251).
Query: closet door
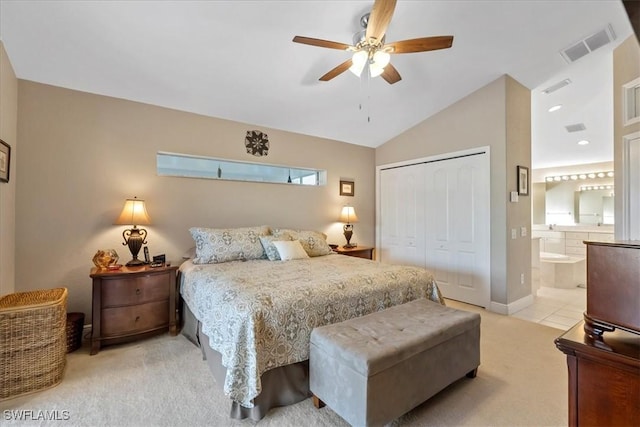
(402, 215)
(457, 227)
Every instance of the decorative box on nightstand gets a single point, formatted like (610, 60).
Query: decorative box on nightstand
(132, 303)
(358, 251)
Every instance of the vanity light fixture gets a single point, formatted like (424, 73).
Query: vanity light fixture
(583, 142)
(576, 177)
(596, 187)
(555, 108)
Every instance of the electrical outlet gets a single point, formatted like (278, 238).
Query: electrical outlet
(523, 231)
(514, 233)
(522, 278)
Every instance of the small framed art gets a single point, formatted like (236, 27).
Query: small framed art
(523, 181)
(346, 188)
(5, 161)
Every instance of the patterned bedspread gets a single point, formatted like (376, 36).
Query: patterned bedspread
(259, 314)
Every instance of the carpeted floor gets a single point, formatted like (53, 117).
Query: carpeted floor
(163, 381)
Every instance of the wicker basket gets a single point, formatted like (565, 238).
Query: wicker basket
(32, 341)
(75, 323)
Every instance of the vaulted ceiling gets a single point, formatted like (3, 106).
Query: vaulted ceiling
(235, 60)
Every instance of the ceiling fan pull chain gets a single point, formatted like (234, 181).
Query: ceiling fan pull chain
(368, 94)
(360, 94)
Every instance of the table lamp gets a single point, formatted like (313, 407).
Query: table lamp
(134, 213)
(348, 216)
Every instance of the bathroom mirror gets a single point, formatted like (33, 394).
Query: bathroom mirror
(568, 203)
(191, 166)
(595, 207)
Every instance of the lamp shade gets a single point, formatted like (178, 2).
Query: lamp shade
(358, 61)
(134, 212)
(348, 215)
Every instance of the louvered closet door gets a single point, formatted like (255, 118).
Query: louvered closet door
(402, 215)
(457, 227)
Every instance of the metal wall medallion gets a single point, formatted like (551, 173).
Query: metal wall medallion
(257, 143)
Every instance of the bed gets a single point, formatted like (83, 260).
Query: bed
(253, 317)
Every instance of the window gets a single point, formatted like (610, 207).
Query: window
(631, 99)
(186, 165)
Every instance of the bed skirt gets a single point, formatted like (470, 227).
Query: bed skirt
(281, 386)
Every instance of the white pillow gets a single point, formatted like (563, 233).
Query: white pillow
(290, 250)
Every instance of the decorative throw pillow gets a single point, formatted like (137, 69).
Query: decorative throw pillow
(270, 249)
(313, 242)
(290, 250)
(216, 245)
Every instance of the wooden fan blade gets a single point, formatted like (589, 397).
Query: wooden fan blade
(423, 44)
(337, 71)
(321, 43)
(379, 19)
(390, 74)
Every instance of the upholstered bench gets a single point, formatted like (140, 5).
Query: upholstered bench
(372, 369)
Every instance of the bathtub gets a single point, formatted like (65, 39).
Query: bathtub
(562, 271)
(550, 256)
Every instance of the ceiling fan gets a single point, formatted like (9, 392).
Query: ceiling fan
(370, 49)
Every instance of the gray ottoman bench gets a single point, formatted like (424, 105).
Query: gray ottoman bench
(373, 369)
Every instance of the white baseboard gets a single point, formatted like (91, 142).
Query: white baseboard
(508, 309)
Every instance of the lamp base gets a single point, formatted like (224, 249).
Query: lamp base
(350, 245)
(135, 263)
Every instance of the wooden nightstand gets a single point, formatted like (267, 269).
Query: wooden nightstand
(132, 303)
(359, 251)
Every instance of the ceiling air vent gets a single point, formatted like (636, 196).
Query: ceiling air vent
(557, 86)
(588, 44)
(575, 128)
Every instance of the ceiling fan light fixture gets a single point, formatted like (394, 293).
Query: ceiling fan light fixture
(358, 60)
(381, 58)
(375, 70)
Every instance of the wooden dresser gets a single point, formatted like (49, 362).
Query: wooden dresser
(132, 303)
(603, 351)
(613, 287)
(604, 377)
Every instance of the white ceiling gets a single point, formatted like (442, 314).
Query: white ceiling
(236, 60)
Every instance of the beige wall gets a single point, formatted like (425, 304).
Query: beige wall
(8, 133)
(626, 67)
(83, 154)
(497, 115)
(518, 152)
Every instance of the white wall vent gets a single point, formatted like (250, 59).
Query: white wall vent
(588, 44)
(576, 127)
(557, 86)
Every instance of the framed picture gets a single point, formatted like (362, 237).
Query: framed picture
(523, 180)
(346, 188)
(5, 161)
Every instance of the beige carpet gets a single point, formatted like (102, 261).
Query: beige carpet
(162, 381)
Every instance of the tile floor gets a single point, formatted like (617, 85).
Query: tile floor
(558, 308)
